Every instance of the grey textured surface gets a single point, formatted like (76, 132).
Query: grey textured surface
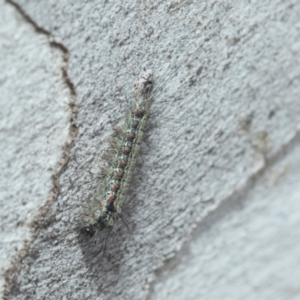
(34, 126)
(226, 98)
(248, 248)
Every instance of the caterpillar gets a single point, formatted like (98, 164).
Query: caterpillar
(102, 212)
(105, 211)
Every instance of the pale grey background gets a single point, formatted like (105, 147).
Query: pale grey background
(215, 199)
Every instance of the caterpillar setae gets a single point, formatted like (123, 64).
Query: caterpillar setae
(102, 211)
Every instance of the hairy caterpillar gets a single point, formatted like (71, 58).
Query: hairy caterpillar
(103, 208)
(102, 212)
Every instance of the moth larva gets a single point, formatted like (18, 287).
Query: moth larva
(102, 213)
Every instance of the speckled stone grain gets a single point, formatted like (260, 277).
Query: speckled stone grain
(226, 102)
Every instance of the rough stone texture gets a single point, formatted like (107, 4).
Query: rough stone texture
(226, 101)
(248, 248)
(34, 128)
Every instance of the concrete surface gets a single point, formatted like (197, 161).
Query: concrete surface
(226, 103)
(248, 248)
(34, 129)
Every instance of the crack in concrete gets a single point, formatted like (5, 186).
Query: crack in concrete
(266, 160)
(12, 273)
